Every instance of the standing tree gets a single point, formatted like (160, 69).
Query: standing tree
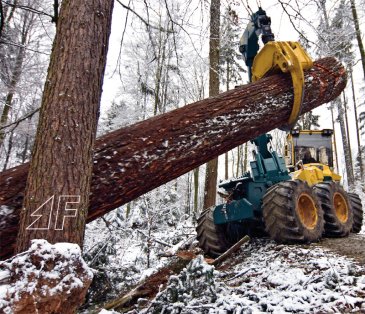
(212, 166)
(358, 34)
(342, 34)
(20, 37)
(308, 121)
(58, 184)
(230, 68)
(338, 36)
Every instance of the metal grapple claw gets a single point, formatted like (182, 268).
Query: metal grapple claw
(284, 56)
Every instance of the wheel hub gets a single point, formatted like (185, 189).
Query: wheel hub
(341, 208)
(307, 211)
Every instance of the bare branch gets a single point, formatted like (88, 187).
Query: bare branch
(117, 66)
(27, 8)
(22, 46)
(17, 122)
(148, 25)
(173, 31)
(290, 16)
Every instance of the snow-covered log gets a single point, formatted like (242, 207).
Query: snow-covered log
(55, 276)
(138, 158)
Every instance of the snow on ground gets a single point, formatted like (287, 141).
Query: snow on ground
(308, 279)
(124, 255)
(262, 277)
(266, 277)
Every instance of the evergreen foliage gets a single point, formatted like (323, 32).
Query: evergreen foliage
(230, 68)
(195, 285)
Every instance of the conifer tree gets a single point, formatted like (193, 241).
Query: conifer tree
(211, 174)
(58, 186)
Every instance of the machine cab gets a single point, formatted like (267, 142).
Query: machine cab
(308, 147)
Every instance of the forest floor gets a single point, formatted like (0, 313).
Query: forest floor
(264, 277)
(352, 246)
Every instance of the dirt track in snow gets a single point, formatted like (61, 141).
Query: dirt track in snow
(352, 246)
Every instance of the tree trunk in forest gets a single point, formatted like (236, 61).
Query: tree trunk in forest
(348, 133)
(211, 174)
(334, 139)
(188, 193)
(358, 34)
(138, 158)
(9, 150)
(226, 162)
(16, 72)
(58, 186)
(226, 159)
(346, 149)
(25, 148)
(239, 160)
(196, 190)
(357, 129)
(245, 160)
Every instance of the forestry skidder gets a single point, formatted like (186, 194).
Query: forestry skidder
(298, 203)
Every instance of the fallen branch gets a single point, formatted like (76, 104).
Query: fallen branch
(231, 250)
(151, 285)
(177, 247)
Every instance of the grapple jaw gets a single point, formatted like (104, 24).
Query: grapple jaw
(284, 56)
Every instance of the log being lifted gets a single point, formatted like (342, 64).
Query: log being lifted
(138, 158)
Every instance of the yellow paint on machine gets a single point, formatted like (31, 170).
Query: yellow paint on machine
(315, 173)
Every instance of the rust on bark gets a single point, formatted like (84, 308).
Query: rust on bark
(138, 158)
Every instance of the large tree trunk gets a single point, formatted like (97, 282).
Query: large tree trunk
(211, 173)
(57, 192)
(136, 159)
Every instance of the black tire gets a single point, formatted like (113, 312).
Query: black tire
(257, 228)
(213, 239)
(338, 215)
(285, 215)
(358, 213)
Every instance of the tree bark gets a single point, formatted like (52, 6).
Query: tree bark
(58, 185)
(136, 159)
(211, 174)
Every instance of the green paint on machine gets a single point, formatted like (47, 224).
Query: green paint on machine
(246, 192)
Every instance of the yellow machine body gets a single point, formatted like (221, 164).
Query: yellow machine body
(284, 56)
(315, 173)
(309, 156)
